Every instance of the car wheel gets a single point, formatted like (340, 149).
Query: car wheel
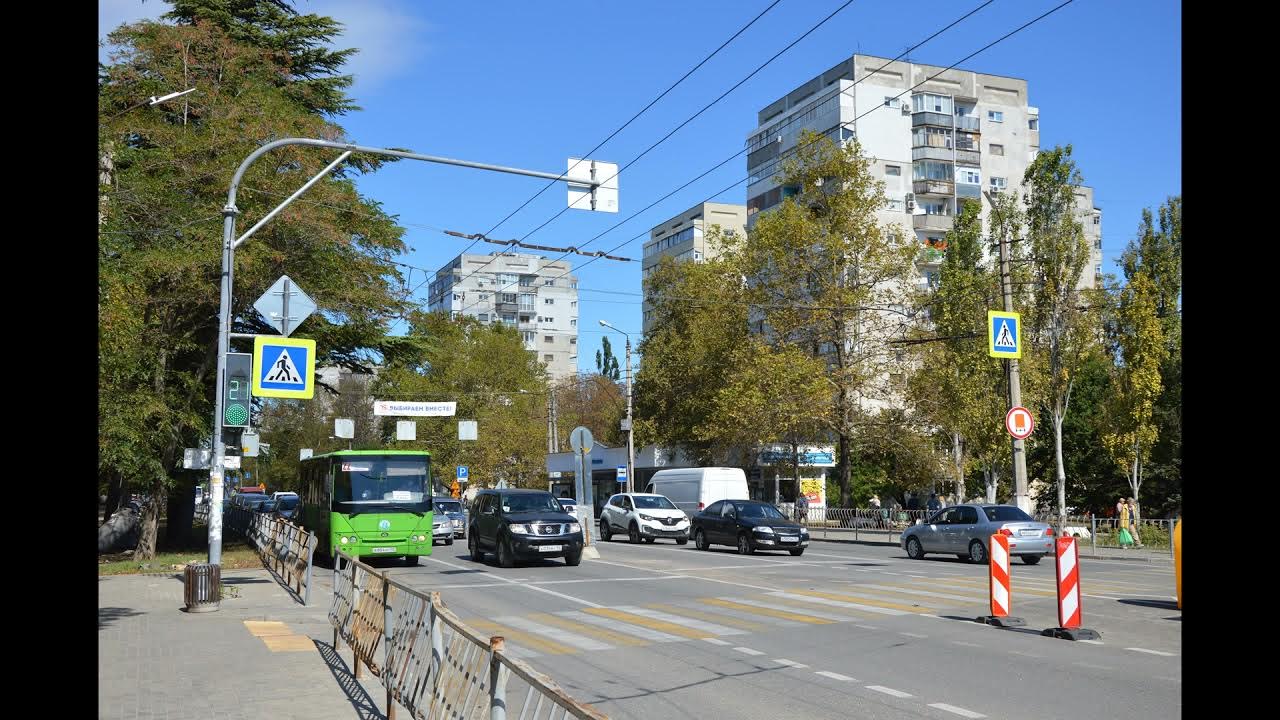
(682, 541)
(650, 540)
(477, 555)
(449, 541)
(744, 544)
(410, 559)
(700, 540)
(633, 534)
(606, 532)
(506, 558)
(977, 552)
(915, 550)
(1031, 559)
(573, 559)
(797, 552)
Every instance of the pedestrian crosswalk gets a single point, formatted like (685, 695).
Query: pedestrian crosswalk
(714, 617)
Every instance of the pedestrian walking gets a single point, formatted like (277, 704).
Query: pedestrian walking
(1126, 537)
(802, 507)
(934, 504)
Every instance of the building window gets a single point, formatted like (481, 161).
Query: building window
(548, 358)
(548, 338)
(456, 296)
(507, 279)
(1097, 219)
(573, 304)
(995, 115)
(548, 320)
(483, 317)
(971, 177)
(893, 170)
(527, 336)
(931, 170)
(509, 319)
(484, 296)
(507, 297)
(890, 101)
(998, 183)
(928, 102)
(573, 323)
(548, 282)
(996, 149)
(931, 137)
(573, 341)
(1033, 123)
(549, 301)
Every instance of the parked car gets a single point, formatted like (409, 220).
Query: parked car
(750, 525)
(441, 529)
(569, 504)
(452, 509)
(966, 530)
(643, 515)
(522, 524)
(253, 502)
(287, 507)
(693, 489)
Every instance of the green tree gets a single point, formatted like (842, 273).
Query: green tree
(593, 401)
(606, 363)
(261, 71)
(824, 275)
(493, 379)
(1061, 333)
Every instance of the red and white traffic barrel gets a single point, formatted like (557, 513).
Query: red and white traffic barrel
(1070, 610)
(1001, 592)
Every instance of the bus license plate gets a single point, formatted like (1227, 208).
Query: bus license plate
(390, 550)
(550, 548)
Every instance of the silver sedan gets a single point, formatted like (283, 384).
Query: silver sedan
(966, 530)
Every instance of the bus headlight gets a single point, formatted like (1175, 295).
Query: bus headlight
(343, 539)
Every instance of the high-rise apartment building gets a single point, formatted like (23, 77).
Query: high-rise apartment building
(537, 297)
(953, 138)
(685, 237)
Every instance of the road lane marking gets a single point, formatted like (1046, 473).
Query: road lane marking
(662, 626)
(767, 609)
(1024, 654)
(835, 676)
(838, 603)
(1152, 652)
(636, 631)
(914, 591)
(1094, 642)
(700, 625)
(914, 635)
(858, 600)
(721, 617)
(693, 577)
(867, 627)
(889, 691)
(748, 651)
(542, 645)
(568, 638)
(790, 663)
(570, 598)
(966, 644)
(716, 641)
(956, 710)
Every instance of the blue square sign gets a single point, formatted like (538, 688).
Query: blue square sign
(1004, 334)
(284, 367)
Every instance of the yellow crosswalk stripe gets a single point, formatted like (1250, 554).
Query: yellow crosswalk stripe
(866, 601)
(651, 623)
(529, 640)
(811, 619)
(818, 607)
(985, 585)
(709, 617)
(583, 629)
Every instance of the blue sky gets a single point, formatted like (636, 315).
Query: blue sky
(530, 84)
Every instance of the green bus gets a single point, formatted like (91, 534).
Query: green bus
(369, 502)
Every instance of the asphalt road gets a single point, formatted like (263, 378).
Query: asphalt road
(846, 630)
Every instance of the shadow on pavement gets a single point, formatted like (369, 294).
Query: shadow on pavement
(108, 615)
(1162, 604)
(364, 706)
(645, 692)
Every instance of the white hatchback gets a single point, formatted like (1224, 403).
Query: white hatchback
(643, 515)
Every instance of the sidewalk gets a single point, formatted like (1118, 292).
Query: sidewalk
(157, 661)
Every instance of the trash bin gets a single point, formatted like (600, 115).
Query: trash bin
(202, 587)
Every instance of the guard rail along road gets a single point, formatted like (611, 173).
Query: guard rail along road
(286, 549)
(429, 661)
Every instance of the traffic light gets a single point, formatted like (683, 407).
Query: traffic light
(237, 402)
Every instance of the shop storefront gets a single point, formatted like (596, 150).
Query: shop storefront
(773, 480)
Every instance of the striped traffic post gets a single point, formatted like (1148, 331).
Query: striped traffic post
(1001, 595)
(1070, 612)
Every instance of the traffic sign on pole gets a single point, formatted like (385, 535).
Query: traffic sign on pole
(1019, 422)
(285, 306)
(463, 472)
(1004, 334)
(284, 367)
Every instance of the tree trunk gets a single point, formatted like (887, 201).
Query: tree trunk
(845, 470)
(151, 520)
(795, 468)
(992, 478)
(115, 496)
(957, 456)
(1061, 469)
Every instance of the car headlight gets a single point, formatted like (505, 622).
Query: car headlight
(518, 528)
(575, 527)
(646, 517)
(765, 529)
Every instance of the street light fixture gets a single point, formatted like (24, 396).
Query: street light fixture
(631, 446)
(157, 100)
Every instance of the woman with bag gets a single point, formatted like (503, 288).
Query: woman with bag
(1126, 513)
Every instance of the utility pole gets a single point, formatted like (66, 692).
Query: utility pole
(1021, 497)
(627, 424)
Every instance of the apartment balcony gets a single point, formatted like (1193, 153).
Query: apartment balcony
(931, 118)
(507, 307)
(967, 190)
(942, 154)
(939, 223)
(968, 157)
(968, 122)
(933, 187)
(931, 256)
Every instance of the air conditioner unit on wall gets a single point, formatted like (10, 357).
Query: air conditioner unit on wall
(911, 202)
(906, 109)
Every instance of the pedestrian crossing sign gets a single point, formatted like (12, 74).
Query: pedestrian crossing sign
(1004, 334)
(284, 367)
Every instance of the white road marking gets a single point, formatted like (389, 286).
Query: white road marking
(748, 651)
(712, 628)
(839, 603)
(966, 644)
(570, 598)
(866, 627)
(957, 710)
(914, 635)
(638, 631)
(889, 691)
(790, 663)
(561, 636)
(692, 577)
(1152, 652)
(715, 641)
(835, 676)
(1024, 654)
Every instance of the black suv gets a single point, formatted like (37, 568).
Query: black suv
(521, 525)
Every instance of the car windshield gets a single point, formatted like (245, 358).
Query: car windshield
(533, 502)
(654, 502)
(449, 506)
(1004, 513)
(287, 503)
(760, 511)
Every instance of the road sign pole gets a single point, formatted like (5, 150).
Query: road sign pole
(224, 326)
(1021, 498)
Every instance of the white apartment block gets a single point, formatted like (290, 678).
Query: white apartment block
(529, 293)
(951, 139)
(685, 237)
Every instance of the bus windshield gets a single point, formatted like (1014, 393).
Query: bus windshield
(381, 484)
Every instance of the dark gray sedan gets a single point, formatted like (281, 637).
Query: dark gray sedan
(966, 530)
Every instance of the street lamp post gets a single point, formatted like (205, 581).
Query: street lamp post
(631, 446)
(230, 243)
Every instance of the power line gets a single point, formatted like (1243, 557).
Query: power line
(686, 122)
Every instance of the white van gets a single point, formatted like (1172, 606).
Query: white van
(693, 489)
